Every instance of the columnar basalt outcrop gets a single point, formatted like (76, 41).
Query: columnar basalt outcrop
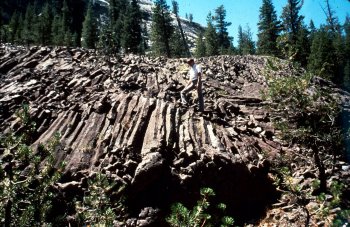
(122, 116)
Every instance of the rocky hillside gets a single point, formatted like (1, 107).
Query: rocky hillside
(121, 116)
(191, 29)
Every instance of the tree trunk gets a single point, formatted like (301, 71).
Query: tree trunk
(183, 36)
(321, 170)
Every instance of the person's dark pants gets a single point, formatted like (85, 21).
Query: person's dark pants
(187, 89)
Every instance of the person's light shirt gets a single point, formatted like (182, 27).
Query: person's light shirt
(193, 72)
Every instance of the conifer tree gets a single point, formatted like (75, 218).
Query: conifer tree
(246, 44)
(18, 35)
(28, 32)
(347, 53)
(303, 45)
(44, 25)
(145, 38)
(117, 10)
(132, 32)
(56, 6)
(347, 37)
(56, 31)
(117, 14)
(176, 12)
(113, 11)
(65, 25)
(190, 17)
(2, 27)
(177, 48)
(200, 46)
(211, 38)
(340, 55)
(291, 22)
(13, 27)
(334, 28)
(89, 33)
(76, 23)
(106, 40)
(312, 30)
(221, 27)
(268, 29)
(161, 29)
(332, 21)
(322, 56)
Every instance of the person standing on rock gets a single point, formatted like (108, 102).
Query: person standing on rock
(195, 76)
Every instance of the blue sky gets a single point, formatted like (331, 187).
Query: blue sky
(246, 12)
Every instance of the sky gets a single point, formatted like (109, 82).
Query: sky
(246, 12)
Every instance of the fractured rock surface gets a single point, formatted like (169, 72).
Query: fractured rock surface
(121, 116)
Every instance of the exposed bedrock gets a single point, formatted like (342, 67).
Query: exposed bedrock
(122, 117)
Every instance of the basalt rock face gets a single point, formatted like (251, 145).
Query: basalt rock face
(121, 116)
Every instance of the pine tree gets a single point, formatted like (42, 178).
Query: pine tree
(347, 51)
(56, 31)
(77, 19)
(44, 25)
(145, 38)
(340, 55)
(322, 57)
(89, 33)
(200, 46)
(190, 17)
(28, 32)
(131, 38)
(76, 39)
(246, 44)
(221, 27)
(268, 29)
(176, 12)
(13, 27)
(113, 11)
(303, 46)
(2, 27)
(117, 11)
(211, 38)
(240, 40)
(347, 36)
(161, 29)
(177, 48)
(19, 31)
(105, 42)
(334, 28)
(65, 25)
(312, 30)
(291, 21)
(332, 21)
(346, 80)
(56, 6)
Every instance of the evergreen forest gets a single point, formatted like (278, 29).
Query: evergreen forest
(121, 28)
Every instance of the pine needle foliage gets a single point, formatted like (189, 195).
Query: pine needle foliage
(161, 29)
(307, 114)
(198, 217)
(27, 177)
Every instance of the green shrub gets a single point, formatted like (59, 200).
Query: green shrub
(26, 177)
(181, 216)
(97, 207)
(308, 114)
